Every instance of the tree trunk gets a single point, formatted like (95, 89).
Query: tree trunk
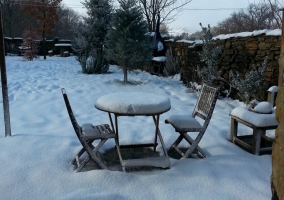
(43, 41)
(125, 75)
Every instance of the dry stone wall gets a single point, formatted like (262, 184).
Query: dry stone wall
(239, 53)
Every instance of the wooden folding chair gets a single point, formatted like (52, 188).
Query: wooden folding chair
(87, 134)
(185, 123)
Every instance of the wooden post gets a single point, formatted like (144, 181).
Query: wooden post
(4, 80)
(277, 177)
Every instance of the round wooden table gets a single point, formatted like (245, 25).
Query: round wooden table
(137, 104)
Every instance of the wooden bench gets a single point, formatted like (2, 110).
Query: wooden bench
(257, 142)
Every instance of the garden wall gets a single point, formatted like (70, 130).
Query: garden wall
(12, 45)
(239, 53)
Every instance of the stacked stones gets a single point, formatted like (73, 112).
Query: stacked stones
(238, 54)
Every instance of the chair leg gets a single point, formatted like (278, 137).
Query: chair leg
(194, 144)
(74, 160)
(94, 156)
(200, 153)
(82, 164)
(176, 143)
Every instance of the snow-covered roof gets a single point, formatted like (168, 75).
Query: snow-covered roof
(63, 45)
(186, 41)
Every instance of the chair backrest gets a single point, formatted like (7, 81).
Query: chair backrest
(206, 103)
(76, 126)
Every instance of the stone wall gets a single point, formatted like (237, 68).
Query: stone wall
(238, 54)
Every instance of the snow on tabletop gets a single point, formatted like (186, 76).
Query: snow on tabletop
(273, 89)
(259, 120)
(133, 103)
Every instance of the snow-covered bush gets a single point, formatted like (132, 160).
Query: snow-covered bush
(90, 37)
(171, 67)
(208, 56)
(81, 47)
(249, 85)
(97, 65)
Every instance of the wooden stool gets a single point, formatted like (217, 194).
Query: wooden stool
(258, 141)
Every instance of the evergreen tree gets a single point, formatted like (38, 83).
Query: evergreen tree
(90, 38)
(127, 42)
(208, 55)
(99, 16)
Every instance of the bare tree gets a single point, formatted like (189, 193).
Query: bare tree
(45, 13)
(14, 19)
(167, 9)
(275, 6)
(255, 17)
(67, 24)
(164, 29)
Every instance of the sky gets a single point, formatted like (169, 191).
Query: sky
(197, 11)
(35, 160)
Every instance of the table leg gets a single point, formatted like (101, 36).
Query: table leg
(115, 130)
(111, 122)
(158, 133)
(257, 133)
(234, 130)
(156, 121)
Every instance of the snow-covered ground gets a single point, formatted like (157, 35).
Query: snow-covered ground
(35, 161)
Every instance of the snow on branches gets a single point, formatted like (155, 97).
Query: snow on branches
(251, 83)
(208, 55)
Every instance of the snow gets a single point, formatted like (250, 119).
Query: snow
(273, 89)
(63, 45)
(184, 121)
(135, 103)
(275, 32)
(263, 107)
(35, 161)
(257, 119)
(160, 46)
(160, 59)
